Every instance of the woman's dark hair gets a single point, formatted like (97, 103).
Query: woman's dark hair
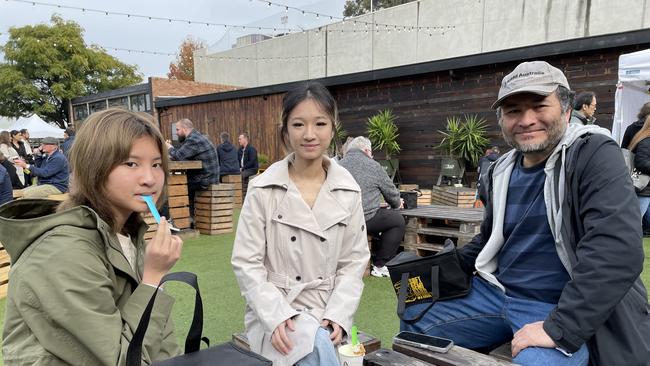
(582, 99)
(309, 90)
(644, 112)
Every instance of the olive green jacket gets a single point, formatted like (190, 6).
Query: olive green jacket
(73, 298)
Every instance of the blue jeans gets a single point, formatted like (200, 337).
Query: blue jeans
(488, 318)
(324, 352)
(644, 202)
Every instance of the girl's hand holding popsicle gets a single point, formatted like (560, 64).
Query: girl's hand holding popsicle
(163, 251)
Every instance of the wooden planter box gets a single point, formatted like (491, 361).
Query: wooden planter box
(453, 196)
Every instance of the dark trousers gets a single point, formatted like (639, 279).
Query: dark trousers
(389, 225)
(245, 174)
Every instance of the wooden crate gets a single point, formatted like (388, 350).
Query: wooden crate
(425, 198)
(453, 196)
(428, 227)
(5, 266)
(179, 204)
(235, 180)
(214, 209)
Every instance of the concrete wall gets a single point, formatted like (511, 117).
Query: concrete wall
(477, 26)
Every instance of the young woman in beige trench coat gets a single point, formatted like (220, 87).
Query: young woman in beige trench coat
(301, 246)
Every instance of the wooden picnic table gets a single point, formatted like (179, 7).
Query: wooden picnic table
(402, 355)
(428, 226)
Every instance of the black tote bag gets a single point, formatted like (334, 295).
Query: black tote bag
(418, 280)
(223, 354)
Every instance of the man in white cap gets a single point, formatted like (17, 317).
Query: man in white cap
(50, 167)
(560, 252)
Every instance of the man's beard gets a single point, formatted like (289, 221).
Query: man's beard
(554, 135)
(181, 138)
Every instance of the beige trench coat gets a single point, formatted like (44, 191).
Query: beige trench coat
(288, 257)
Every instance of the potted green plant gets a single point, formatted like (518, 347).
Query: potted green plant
(382, 132)
(262, 161)
(336, 144)
(464, 140)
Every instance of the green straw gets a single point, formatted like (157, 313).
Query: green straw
(355, 336)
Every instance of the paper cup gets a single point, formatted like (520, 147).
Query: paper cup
(347, 357)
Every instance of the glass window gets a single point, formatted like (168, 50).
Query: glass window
(147, 98)
(138, 103)
(80, 112)
(119, 102)
(97, 106)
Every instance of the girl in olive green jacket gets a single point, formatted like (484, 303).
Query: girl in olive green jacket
(81, 275)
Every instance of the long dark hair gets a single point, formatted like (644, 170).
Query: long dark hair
(309, 90)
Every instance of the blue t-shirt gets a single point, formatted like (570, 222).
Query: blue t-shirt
(528, 264)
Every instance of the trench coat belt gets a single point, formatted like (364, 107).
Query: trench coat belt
(296, 287)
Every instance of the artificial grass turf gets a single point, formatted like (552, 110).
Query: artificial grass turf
(209, 258)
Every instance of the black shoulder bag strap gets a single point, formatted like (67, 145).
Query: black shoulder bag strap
(193, 340)
(403, 291)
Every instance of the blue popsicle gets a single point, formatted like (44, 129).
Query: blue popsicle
(154, 211)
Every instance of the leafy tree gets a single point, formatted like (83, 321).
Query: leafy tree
(49, 64)
(183, 68)
(359, 7)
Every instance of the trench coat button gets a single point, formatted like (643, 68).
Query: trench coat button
(322, 239)
(363, 227)
(279, 216)
(298, 278)
(293, 238)
(320, 278)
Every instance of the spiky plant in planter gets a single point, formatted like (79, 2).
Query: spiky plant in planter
(382, 132)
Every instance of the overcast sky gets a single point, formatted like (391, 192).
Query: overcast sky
(162, 36)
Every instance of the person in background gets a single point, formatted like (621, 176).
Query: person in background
(640, 146)
(195, 146)
(51, 169)
(28, 146)
(6, 148)
(491, 155)
(18, 144)
(635, 126)
(247, 156)
(557, 262)
(584, 108)
(630, 132)
(301, 249)
(81, 273)
(6, 189)
(386, 226)
(68, 140)
(11, 170)
(228, 160)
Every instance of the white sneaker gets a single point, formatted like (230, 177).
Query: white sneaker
(379, 271)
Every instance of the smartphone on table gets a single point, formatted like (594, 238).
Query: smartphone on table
(431, 343)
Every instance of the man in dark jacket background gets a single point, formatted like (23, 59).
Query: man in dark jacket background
(195, 146)
(560, 251)
(247, 156)
(228, 163)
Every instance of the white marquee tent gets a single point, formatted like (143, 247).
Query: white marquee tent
(6, 122)
(38, 128)
(632, 90)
